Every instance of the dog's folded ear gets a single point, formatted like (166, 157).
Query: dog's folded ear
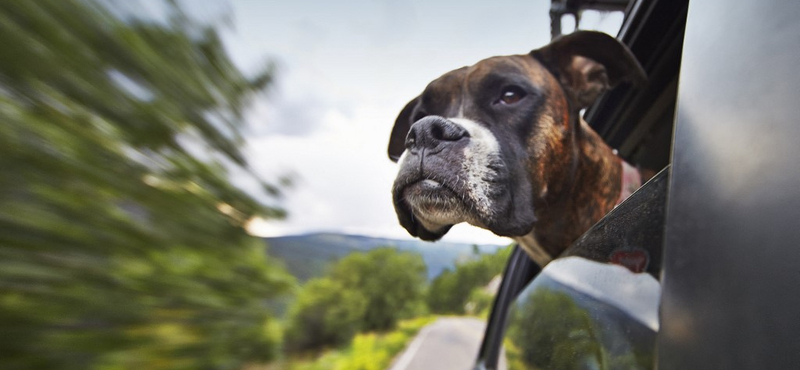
(588, 63)
(397, 140)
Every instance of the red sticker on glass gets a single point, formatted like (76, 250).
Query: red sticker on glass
(635, 260)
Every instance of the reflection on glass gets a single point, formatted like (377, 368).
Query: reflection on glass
(580, 314)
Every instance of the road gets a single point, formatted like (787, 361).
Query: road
(449, 343)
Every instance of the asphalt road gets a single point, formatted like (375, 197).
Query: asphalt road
(447, 344)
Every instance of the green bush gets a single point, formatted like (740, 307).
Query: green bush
(362, 292)
(479, 302)
(367, 351)
(450, 292)
(392, 282)
(324, 314)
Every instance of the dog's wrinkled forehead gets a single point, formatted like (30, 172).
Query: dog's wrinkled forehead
(449, 94)
(444, 94)
(568, 74)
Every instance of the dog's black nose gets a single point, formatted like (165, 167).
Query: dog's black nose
(433, 131)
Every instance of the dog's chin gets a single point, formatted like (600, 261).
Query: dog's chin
(427, 210)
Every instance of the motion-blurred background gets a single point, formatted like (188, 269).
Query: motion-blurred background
(184, 183)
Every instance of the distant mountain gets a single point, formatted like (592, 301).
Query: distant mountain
(306, 256)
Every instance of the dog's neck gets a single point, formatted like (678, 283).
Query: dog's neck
(595, 189)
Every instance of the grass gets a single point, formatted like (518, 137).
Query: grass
(367, 351)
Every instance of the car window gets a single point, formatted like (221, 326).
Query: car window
(581, 314)
(596, 307)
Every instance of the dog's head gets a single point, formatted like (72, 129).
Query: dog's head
(483, 144)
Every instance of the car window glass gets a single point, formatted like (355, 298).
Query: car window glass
(581, 314)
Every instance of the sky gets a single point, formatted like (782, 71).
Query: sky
(636, 294)
(344, 71)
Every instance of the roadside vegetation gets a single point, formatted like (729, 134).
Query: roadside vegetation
(361, 293)
(366, 351)
(463, 290)
(369, 306)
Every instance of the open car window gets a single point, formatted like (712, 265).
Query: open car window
(581, 314)
(596, 306)
(608, 279)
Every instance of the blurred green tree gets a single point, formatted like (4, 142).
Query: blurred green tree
(324, 314)
(121, 238)
(479, 302)
(450, 292)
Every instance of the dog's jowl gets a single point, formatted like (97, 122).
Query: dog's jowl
(501, 145)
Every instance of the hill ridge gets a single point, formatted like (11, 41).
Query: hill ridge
(306, 255)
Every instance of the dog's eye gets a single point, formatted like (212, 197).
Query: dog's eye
(511, 95)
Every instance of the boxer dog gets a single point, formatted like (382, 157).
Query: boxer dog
(502, 145)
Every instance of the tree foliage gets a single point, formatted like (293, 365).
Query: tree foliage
(325, 313)
(450, 291)
(392, 282)
(121, 238)
(361, 292)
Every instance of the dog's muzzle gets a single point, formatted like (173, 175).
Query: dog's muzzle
(428, 197)
(452, 172)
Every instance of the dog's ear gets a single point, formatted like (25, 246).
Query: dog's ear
(397, 141)
(588, 63)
